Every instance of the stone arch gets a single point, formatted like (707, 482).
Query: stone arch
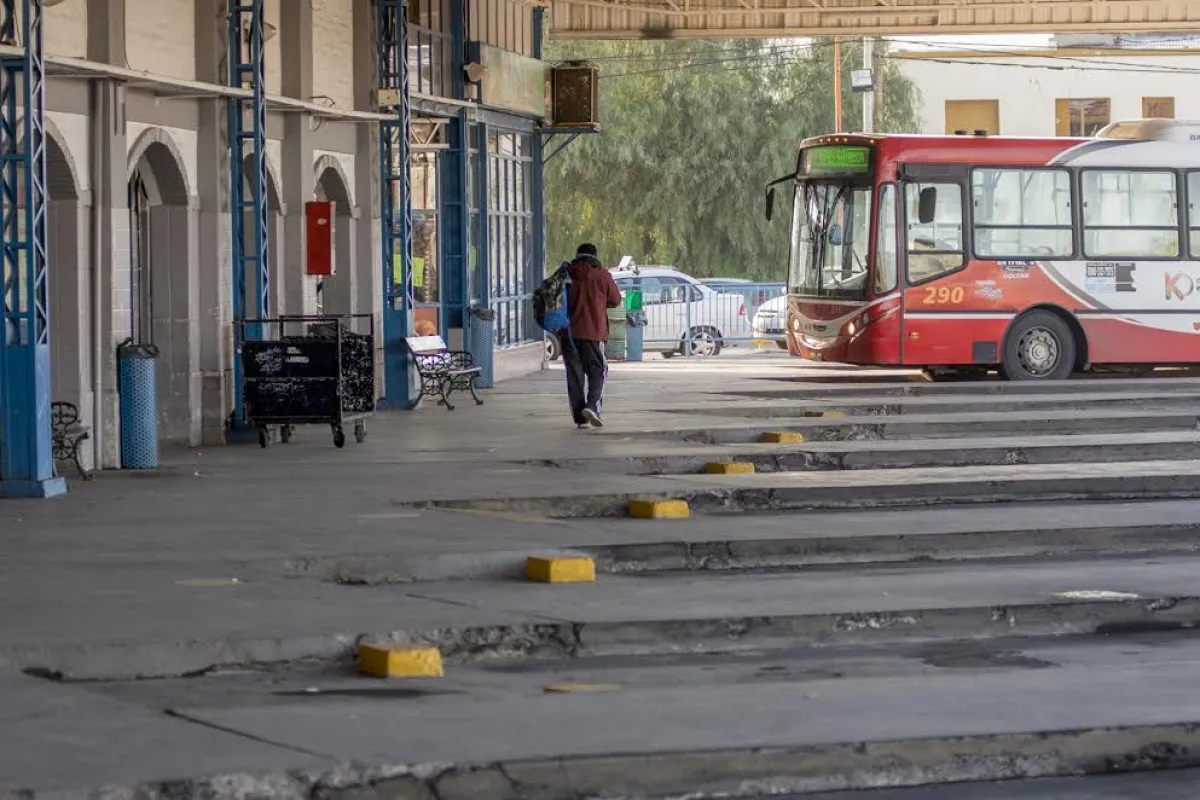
(70, 311)
(62, 171)
(273, 186)
(336, 294)
(332, 183)
(162, 294)
(158, 149)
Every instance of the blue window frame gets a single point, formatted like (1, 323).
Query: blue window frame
(511, 256)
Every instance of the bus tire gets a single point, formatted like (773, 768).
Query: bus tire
(1040, 346)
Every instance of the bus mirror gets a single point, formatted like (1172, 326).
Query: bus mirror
(770, 202)
(927, 205)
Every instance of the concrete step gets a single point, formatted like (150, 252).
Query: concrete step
(953, 404)
(783, 540)
(708, 742)
(896, 454)
(622, 615)
(806, 386)
(1164, 785)
(730, 741)
(879, 488)
(919, 426)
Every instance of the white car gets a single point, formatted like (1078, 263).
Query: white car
(680, 308)
(770, 321)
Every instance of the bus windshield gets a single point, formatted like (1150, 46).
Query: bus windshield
(829, 238)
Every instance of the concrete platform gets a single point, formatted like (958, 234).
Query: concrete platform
(829, 734)
(699, 429)
(894, 453)
(606, 496)
(949, 404)
(132, 576)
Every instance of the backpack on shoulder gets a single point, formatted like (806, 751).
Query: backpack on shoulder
(550, 300)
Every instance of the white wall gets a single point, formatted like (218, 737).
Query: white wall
(161, 37)
(65, 29)
(1026, 96)
(333, 44)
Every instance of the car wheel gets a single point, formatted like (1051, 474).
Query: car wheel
(706, 342)
(553, 349)
(782, 344)
(1040, 346)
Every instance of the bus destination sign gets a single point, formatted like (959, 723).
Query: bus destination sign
(837, 159)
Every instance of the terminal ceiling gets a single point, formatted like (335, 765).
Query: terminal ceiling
(713, 19)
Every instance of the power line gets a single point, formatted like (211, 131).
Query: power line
(808, 48)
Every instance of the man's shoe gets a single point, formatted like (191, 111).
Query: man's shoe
(593, 417)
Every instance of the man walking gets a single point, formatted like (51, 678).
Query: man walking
(592, 292)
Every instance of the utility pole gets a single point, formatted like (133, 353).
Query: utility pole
(868, 115)
(837, 85)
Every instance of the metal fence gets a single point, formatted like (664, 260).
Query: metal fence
(686, 319)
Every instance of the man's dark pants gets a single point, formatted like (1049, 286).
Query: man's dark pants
(586, 368)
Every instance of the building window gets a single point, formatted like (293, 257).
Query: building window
(510, 235)
(1130, 214)
(1081, 117)
(1158, 108)
(423, 173)
(430, 48)
(1022, 213)
(968, 116)
(887, 253)
(934, 248)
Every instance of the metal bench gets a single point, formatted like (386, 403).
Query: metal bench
(443, 371)
(67, 434)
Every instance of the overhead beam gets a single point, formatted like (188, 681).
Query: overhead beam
(711, 19)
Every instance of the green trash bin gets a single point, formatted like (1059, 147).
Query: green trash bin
(614, 348)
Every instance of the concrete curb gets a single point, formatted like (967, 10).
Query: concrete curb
(769, 553)
(567, 639)
(931, 427)
(799, 459)
(727, 499)
(736, 773)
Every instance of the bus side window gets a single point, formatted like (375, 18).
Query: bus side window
(887, 256)
(1193, 190)
(934, 248)
(1130, 214)
(1022, 213)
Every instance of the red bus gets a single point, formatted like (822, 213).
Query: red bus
(961, 254)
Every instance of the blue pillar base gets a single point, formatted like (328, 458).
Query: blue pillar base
(51, 487)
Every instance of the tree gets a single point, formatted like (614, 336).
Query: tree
(691, 132)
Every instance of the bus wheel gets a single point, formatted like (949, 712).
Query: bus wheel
(1040, 347)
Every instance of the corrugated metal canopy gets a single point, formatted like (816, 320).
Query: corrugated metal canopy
(710, 19)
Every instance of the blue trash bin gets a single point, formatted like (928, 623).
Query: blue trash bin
(483, 343)
(137, 365)
(635, 332)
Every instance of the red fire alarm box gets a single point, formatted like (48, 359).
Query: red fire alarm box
(319, 233)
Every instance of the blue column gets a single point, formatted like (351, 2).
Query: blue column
(455, 222)
(26, 456)
(396, 205)
(538, 187)
(247, 126)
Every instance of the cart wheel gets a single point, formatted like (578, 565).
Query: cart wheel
(285, 434)
(263, 438)
(360, 433)
(339, 437)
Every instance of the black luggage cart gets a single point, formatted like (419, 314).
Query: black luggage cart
(309, 370)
